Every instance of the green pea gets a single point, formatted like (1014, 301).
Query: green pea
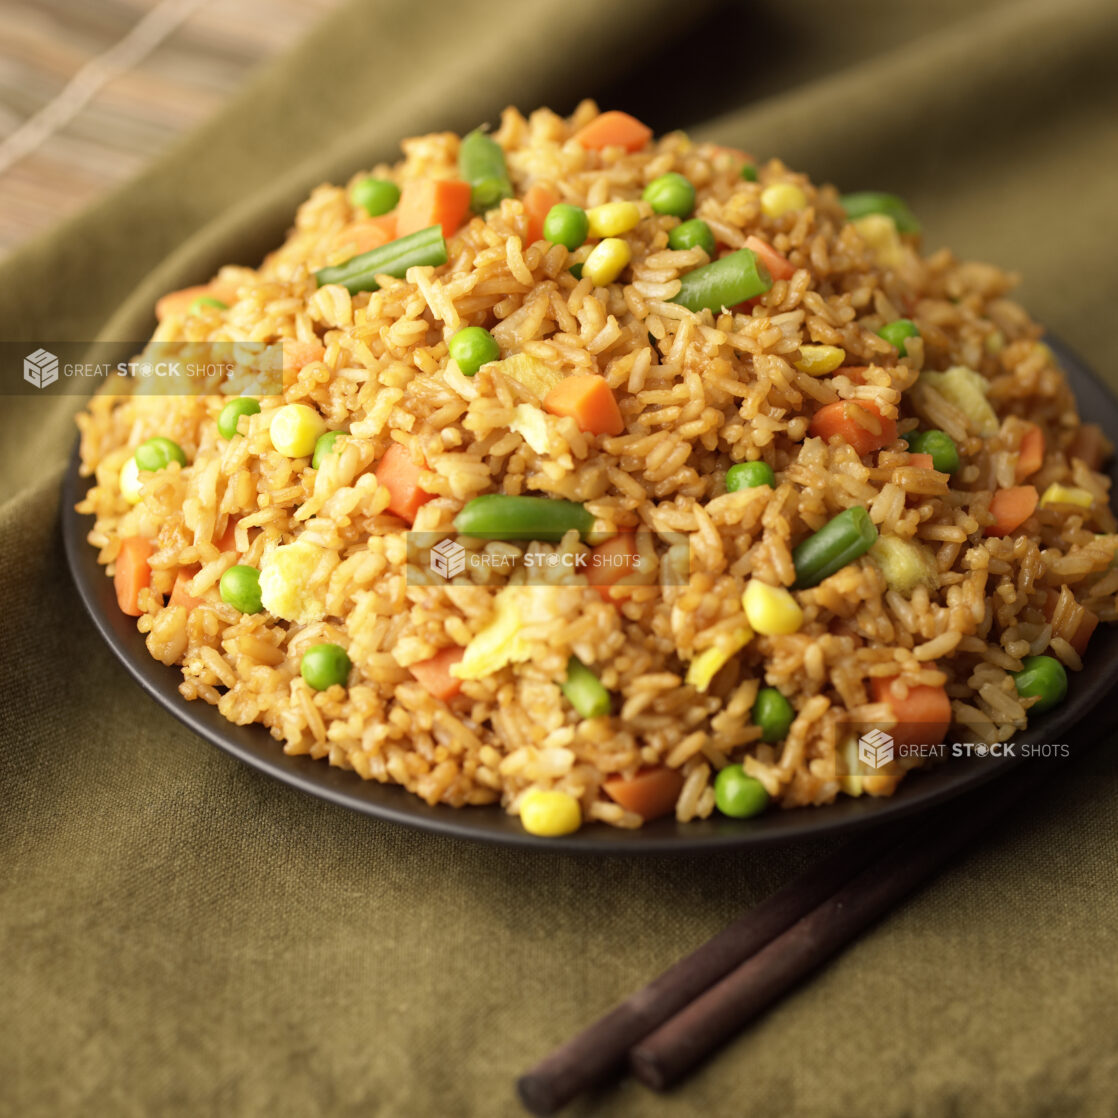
(940, 445)
(692, 234)
(576, 271)
(230, 415)
(325, 446)
(749, 475)
(749, 172)
(566, 225)
(240, 588)
(670, 194)
(1045, 677)
(737, 795)
(325, 665)
(473, 347)
(865, 202)
(206, 301)
(896, 332)
(773, 713)
(159, 453)
(375, 196)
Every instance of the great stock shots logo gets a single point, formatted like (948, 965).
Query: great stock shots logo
(875, 749)
(40, 368)
(448, 559)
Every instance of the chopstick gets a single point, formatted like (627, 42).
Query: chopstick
(680, 1018)
(678, 1045)
(601, 1049)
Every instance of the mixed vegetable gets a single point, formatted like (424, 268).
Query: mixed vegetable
(408, 226)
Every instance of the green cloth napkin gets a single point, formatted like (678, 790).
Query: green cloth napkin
(183, 936)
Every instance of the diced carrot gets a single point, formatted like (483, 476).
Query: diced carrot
(296, 354)
(400, 476)
(778, 266)
(923, 715)
(1010, 509)
(743, 156)
(1030, 453)
(538, 201)
(364, 236)
(227, 540)
(856, 373)
(858, 423)
(924, 461)
(610, 562)
(1090, 446)
(133, 573)
(427, 202)
(180, 595)
(178, 302)
(614, 129)
(651, 793)
(435, 675)
(590, 400)
(1085, 626)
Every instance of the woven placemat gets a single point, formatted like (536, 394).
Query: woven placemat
(89, 93)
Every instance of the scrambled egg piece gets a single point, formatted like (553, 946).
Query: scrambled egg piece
(706, 665)
(293, 582)
(967, 390)
(502, 641)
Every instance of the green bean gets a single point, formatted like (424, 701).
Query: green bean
(725, 282)
(866, 202)
(584, 691)
(481, 163)
(359, 273)
(840, 541)
(497, 516)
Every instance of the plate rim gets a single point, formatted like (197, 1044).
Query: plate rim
(344, 788)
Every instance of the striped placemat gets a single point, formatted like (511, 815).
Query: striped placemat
(90, 92)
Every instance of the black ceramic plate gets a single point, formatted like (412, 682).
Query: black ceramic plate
(254, 746)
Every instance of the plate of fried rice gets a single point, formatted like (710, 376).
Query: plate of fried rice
(561, 482)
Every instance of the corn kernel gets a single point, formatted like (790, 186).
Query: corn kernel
(295, 428)
(771, 609)
(818, 360)
(879, 231)
(709, 662)
(994, 343)
(613, 218)
(1057, 494)
(782, 198)
(131, 487)
(549, 813)
(608, 260)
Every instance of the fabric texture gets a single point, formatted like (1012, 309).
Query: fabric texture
(184, 936)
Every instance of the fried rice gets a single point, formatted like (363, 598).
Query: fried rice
(697, 392)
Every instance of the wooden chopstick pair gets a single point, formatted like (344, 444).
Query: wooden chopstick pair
(666, 1029)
